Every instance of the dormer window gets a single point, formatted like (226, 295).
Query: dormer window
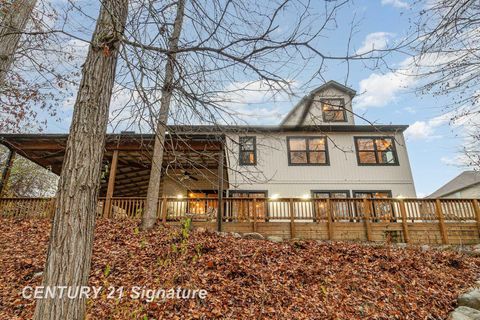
(333, 110)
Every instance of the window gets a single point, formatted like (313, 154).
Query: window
(333, 110)
(248, 194)
(307, 151)
(330, 194)
(376, 151)
(248, 151)
(372, 194)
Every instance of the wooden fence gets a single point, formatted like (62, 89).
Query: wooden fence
(447, 221)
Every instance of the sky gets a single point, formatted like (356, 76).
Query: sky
(383, 96)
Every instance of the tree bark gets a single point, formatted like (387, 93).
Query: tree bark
(71, 238)
(12, 24)
(149, 216)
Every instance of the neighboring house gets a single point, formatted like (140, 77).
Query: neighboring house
(466, 185)
(317, 151)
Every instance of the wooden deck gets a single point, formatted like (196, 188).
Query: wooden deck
(419, 221)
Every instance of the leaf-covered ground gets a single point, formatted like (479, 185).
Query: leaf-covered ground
(245, 279)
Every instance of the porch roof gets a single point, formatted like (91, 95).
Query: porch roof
(185, 155)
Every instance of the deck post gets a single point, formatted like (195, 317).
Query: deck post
(220, 191)
(111, 185)
(6, 170)
(366, 218)
(51, 208)
(254, 214)
(314, 210)
(329, 220)
(476, 209)
(441, 220)
(164, 210)
(403, 212)
(292, 219)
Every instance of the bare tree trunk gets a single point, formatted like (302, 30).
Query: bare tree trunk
(149, 216)
(12, 24)
(71, 239)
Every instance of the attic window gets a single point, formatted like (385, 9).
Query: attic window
(333, 110)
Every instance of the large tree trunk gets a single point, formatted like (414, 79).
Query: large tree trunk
(71, 239)
(149, 216)
(14, 18)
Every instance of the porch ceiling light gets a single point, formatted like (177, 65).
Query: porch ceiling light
(179, 196)
(275, 196)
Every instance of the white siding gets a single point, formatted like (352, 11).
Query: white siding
(274, 175)
(471, 192)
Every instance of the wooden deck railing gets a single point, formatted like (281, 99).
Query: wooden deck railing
(450, 220)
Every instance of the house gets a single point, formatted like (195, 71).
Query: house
(317, 151)
(464, 186)
(316, 175)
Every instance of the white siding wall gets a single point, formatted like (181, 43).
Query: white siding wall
(472, 192)
(274, 175)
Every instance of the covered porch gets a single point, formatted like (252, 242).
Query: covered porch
(193, 166)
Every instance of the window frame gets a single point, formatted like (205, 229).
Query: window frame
(347, 192)
(248, 192)
(344, 110)
(240, 151)
(355, 192)
(375, 151)
(307, 151)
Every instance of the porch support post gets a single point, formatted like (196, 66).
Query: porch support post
(6, 170)
(111, 185)
(220, 191)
